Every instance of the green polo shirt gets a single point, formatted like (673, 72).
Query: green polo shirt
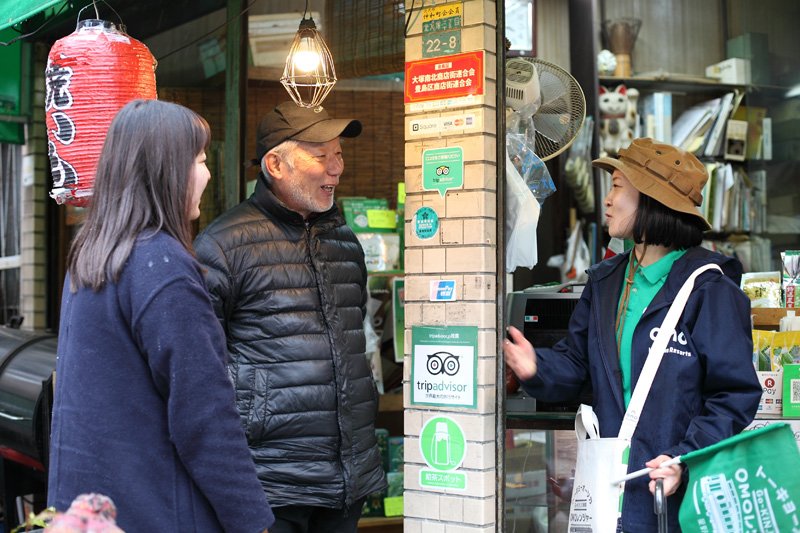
(646, 283)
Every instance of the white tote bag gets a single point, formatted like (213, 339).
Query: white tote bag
(596, 503)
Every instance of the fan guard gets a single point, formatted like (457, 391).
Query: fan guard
(560, 115)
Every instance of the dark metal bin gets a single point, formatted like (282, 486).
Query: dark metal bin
(27, 363)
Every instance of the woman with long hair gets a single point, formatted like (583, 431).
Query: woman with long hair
(144, 409)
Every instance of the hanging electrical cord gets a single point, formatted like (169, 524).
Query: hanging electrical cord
(120, 26)
(408, 17)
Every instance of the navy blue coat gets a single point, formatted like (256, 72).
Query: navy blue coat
(144, 409)
(705, 390)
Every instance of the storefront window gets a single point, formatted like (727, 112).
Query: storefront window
(10, 172)
(520, 22)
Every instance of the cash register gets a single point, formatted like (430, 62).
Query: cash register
(542, 314)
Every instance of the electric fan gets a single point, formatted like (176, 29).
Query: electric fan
(562, 107)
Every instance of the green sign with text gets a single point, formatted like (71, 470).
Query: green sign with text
(443, 447)
(442, 169)
(441, 43)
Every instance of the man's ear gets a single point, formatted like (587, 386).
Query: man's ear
(274, 165)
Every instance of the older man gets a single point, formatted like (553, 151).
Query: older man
(288, 281)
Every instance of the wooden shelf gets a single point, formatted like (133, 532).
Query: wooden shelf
(674, 83)
(684, 83)
(768, 316)
(379, 524)
(377, 521)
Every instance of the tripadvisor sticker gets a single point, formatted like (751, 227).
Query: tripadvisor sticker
(443, 169)
(426, 223)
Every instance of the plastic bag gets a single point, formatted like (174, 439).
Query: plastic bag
(532, 169)
(520, 143)
(373, 353)
(522, 217)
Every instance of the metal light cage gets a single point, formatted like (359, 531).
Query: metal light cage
(308, 85)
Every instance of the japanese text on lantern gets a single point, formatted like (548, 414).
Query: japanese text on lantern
(58, 100)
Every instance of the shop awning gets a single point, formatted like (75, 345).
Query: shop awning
(142, 18)
(14, 11)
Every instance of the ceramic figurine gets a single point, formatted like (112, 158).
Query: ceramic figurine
(617, 118)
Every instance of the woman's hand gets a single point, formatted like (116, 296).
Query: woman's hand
(519, 354)
(670, 474)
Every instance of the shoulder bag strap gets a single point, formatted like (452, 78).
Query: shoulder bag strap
(648, 374)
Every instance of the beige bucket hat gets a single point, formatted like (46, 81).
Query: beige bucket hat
(663, 172)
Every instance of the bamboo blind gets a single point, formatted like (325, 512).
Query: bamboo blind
(366, 37)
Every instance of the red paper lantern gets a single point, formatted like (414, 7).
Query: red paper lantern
(91, 74)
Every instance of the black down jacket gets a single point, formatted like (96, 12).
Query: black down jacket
(291, 296)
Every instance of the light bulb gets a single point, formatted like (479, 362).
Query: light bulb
(306, 60)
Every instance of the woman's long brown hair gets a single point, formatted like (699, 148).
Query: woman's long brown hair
(141, 187)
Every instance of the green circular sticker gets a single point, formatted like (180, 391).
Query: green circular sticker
(442, 443)
(426, 223)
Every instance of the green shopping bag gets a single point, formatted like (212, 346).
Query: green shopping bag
(749, 482)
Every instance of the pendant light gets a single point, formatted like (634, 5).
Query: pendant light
(309, 74)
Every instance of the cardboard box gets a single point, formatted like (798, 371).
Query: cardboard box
(791, 390)
(735, 71)
(772, 393)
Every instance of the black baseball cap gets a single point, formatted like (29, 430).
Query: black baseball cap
(290, 121)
